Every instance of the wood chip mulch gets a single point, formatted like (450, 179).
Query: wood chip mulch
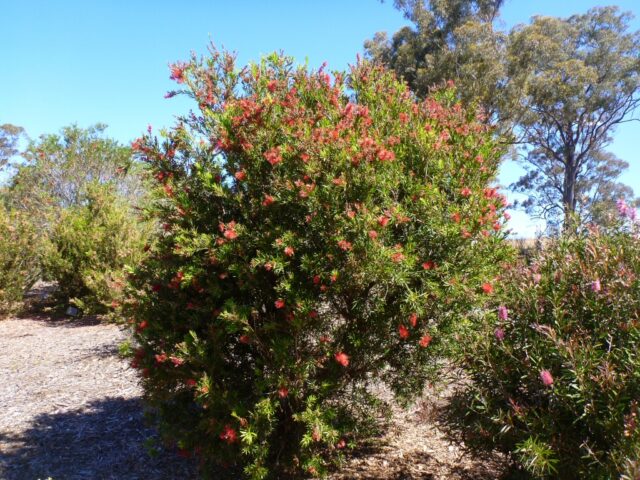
(70, 408)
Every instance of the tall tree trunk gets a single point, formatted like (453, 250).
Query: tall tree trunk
(569, 192)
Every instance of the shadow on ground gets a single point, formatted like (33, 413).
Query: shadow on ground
(102, 441)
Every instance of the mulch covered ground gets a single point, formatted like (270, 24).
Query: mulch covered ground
(70, 409)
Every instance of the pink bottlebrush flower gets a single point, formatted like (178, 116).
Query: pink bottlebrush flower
(373, 234)
(622, 207)
(546, 377)
(632, 214)
(499, 334)
(344, 245)
(503, 313)
(536, 278)
(289, 251)
(465, 192)
(595, 285)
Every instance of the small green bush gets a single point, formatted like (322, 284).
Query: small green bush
(89, 247)
(19, 257)
(321, 233)
(556, 365)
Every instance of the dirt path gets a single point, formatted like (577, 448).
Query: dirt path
(70, 409)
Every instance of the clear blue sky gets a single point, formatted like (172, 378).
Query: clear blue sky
(83, 61)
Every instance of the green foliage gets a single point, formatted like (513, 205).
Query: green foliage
(89, 247)
(19, 257)
(556, 366)
(321, 233)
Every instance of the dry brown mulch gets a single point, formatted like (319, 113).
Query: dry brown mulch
(70, 409)
(70, 406)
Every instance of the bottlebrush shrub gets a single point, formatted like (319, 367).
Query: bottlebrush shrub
(19, 257)
(317, 238)
(556, 368)
(90, 247)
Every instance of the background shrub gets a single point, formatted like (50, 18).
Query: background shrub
(89, 247)
(19, 257)
(321, 233)
(556, 365)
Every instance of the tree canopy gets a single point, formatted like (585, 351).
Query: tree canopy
(557, 87)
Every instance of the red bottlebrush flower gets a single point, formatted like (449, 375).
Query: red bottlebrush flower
(184, 453)
(546, 377)
(268, 266)
(273, 156)
(240, 175)
(487, 288)
(316, 279)
(244, 339)
(383, 220)
(230, 234)
(456, 217)
(425, 341)
(413, 319)
(229, 435)
(283, 392)
(397, 257)
(190, 382)
(142, 325)
(338, 181)
(351, 214)
(386, 155)
(342, 358)
(341, 444)
(403, 332)
(161, 357)
(403, 117)
(373, 234)
(176, 361)
(316, 435)
(428, 265)
(333, 277)
(268, 200)
(279, 303)
(465, 192)
(289, 251)
(313, 314)
(465, 233)
(344, 245)
(177, 72)
(271, 86)
(304, 157)
(156, 287)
